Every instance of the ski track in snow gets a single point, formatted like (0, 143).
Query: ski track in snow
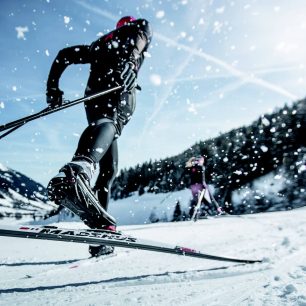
(56, 273)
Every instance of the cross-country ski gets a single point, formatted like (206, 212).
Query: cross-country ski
(115, 239)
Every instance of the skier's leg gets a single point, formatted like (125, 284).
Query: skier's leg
(94, 143)
(196, 191)
(102, 150)
(205, 208)
(96, 140)
(108, 170)
(192, 206)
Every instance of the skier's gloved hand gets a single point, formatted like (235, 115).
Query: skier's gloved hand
(54, 97)
(129, 77)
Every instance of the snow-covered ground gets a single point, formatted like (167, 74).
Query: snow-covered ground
(140, 209)
(56, 273)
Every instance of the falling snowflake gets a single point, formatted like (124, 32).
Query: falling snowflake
(115, 44)
(265, 121)
(264, 149)
(220, 10)
(192, 109)
(160, 14)
(147, 54)
(21, 32)
(155, 79)
(66, 19)
(302, 169)
(217, 27)
(238, 172)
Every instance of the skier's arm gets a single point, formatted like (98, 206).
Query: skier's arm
(185, 173)
(65, 57)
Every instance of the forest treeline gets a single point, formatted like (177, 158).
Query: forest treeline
(275, 142)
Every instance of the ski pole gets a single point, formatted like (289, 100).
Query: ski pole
(197, 207)
(13, 125)
(17, 126)
(213, 200)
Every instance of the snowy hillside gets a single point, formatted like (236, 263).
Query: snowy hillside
(57, 273)
(20, 196)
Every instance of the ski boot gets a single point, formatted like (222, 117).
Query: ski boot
(65, 182)
(71, 189)
(102, 250)
(221, 212)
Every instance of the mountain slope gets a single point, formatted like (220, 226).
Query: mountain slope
(21, 196)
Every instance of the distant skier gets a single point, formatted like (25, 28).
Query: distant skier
(208, 206)
(115, 59)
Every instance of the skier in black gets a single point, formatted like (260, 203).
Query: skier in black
(115, 59)
(195, 169)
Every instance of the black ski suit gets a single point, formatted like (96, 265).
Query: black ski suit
(108, 114)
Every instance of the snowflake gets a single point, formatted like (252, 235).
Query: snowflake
(155, 79)
(21, 31)
(160, 14)
(66, 19)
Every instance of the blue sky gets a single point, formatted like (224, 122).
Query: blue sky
(212, 66)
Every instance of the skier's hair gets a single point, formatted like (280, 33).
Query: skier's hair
(199, 160)
(190, 162)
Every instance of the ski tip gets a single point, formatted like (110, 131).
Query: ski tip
(191, 252)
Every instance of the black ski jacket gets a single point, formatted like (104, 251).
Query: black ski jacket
(196, 174)
(107, 57)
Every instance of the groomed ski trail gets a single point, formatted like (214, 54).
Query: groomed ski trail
(146, 278)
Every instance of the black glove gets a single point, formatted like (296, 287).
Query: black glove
(129, 77)
(54, 97)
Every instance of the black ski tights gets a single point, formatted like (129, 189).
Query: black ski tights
(99, 144)
(96, 140)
